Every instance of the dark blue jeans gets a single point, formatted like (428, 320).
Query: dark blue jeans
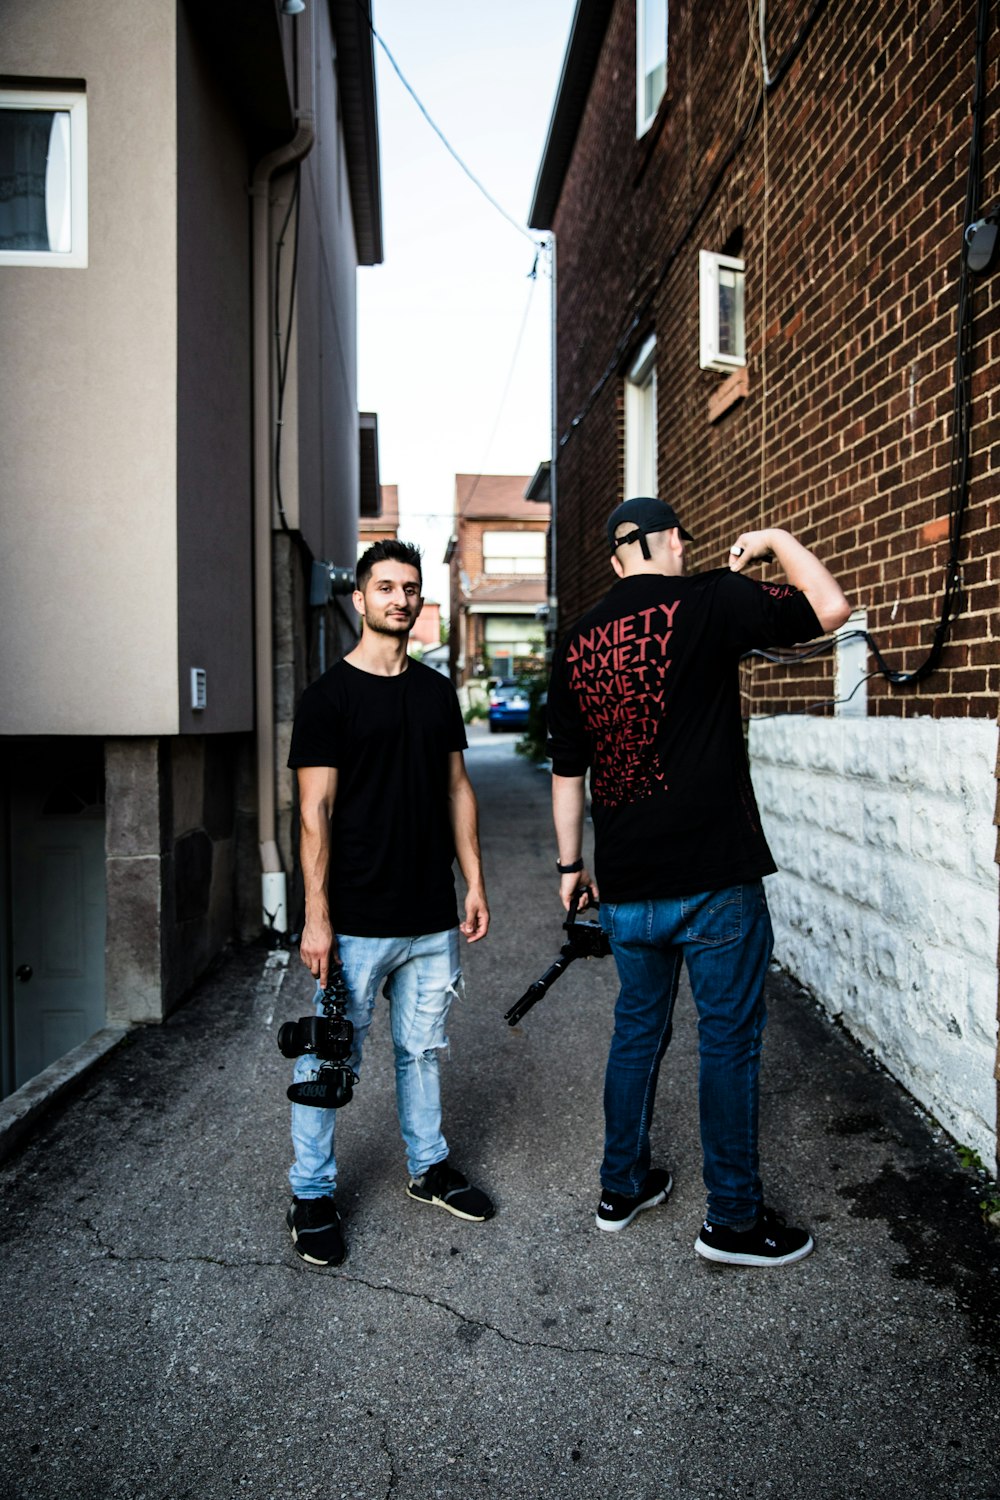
(725, 939)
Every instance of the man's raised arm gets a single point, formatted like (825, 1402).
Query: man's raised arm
(803, 570)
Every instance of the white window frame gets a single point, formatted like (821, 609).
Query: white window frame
(73, 102)
(710, 265)
(640, 423)
(523, 550)
(646, 10)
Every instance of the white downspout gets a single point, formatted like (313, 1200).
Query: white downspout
(274, 896)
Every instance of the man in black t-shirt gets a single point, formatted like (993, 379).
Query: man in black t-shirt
(386, 806)
(644, 695)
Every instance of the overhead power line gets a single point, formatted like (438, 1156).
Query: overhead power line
(441, 135)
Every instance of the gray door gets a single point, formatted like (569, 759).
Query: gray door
(58, 912)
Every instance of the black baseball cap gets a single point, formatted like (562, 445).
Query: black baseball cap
(646, 514)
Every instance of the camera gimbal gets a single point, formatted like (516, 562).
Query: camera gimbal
(584, 940)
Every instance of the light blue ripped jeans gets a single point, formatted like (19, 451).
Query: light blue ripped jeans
(419, 977)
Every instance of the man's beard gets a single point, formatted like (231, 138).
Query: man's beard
(382, 625)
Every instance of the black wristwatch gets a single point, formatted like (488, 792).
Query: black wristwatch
(573, 869)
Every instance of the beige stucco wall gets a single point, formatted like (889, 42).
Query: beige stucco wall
(88, 569)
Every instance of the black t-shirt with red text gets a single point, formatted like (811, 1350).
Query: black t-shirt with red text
(390, 740)
(644, 693)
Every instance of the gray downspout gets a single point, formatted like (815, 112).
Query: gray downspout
(274, 901)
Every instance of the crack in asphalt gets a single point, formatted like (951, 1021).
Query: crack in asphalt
(481, 1324)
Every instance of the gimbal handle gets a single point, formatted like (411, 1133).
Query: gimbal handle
(567, 953)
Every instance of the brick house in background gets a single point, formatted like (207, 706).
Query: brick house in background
(497, 558)
(384, 527)
(761, 263)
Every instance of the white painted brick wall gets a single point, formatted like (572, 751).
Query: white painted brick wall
(886, 906)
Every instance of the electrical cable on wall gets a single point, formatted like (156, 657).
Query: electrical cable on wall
(951, 599)
(961, 426)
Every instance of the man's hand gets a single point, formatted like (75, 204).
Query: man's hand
(750, 547)
(803, 570)
(477, 916)
(583, 882)
(318, 949)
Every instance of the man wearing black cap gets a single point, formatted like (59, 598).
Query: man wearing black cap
(644, 695)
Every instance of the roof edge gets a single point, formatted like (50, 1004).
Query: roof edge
(586, 38)
(352, 26)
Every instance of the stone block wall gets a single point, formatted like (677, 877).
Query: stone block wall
(886, 904)
(175, 840)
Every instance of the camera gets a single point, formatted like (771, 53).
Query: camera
(330, 1039)
(583, 940)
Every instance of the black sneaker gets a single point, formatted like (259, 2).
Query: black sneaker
(615, 1210)
(771, 1242)
(316, 1234)
(446, 1188)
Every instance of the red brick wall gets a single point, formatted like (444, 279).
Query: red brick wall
(849, 199)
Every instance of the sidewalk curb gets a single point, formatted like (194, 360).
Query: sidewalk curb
(21, 1111)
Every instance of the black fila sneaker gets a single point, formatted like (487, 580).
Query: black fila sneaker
(770, 1242)
(615, 1210)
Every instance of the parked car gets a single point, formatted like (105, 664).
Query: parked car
(508, 706)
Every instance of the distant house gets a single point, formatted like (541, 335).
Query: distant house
(438, 658)
(427, 630)
(769, 313)
(384, 527)
(186, 192)
(383, 524)
(498, 570)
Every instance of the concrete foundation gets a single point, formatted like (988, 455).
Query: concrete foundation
(886, 904)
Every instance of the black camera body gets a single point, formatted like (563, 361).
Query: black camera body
(330, 1039)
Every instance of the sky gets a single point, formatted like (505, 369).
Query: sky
(441, 320)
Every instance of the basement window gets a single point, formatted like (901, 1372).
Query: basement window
(720, 291)
(43, 177)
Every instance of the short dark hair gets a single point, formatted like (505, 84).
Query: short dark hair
(388, 551)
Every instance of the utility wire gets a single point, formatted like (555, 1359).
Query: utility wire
(533, 278)
(476, 182)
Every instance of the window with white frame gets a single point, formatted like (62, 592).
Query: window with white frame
(720, 295)
(650, 60)
(640, 423)
(514, 552)
(43, 177)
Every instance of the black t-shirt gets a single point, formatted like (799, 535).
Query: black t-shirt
(390, 740)
(645, 692)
